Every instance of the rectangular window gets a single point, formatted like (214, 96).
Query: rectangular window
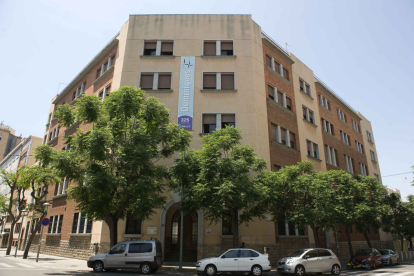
(150, 48)
(212, 121)
(289, 229)
(377, 176)
(167, 48)
(277, 67)
(270, 92)
(285, 73)
(105, 66)
(345, 138)
(277, 168)
(288, 103)
(280, 97)
(363, 169)
(341, 115)
(81, 224)
(164, 81)
(281, 227)
(292, 140)
(209, 81)
(226, 225)
(228, 120)
(209, 123)
(133, 225)
(331, 156)
(227, 81)
(308, 115)
(355, 126)
(305, 87)
(268, 61)
(209, 48)
(359, 147)
(226, 48)
(327, 127)
(369, 136)
(292, 229)
(147, 81)
(349, 164)
(313, 149)
(373, 158)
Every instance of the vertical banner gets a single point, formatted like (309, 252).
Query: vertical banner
(186, 97)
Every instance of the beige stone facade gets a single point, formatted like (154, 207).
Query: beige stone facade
(265, 94)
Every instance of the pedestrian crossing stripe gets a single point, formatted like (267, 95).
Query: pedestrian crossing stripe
(26, 265)
(5, 265)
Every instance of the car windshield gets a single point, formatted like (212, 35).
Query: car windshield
(297, 253)
(384, 252)
(363, 252)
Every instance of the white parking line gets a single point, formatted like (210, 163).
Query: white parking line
(405, 273)
(26, 265)
(6, 265)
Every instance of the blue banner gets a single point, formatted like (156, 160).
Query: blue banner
(186, 97)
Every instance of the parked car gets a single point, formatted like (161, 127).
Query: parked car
(144, 255)
(389, 256)
(371, 256)
(237, 259)
(308, 260)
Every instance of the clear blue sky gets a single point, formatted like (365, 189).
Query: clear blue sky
(363, 50)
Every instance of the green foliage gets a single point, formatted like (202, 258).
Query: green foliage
(221, 178)
(115, 163)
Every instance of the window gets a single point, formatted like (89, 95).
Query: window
(369, 137)
(219, 81)
(359, 147)
(155, 81)
(167, 48)
(211, 122)
(377, 176)
(327, 127)
(104, 93)
(81, 224)
(363, 169)
(331, 156)
(285, 73)
(324, 253)
(140, 247)
(289, 229)
(150, 48)
(271, 92)
(55, 225)
(308, 115)
(218, 48)
(105, 66)
(45, 139)
(119, 248)
(133, 225)
(341, 115)
(349, 164)
(324, 102)
(355, 126)
(62, 186)
(282, 136)
(277, 168)
(277, 67)
(232, 254)
(345, 138)
(226, 225)
(80, 90)
(288, 102)
(373, 158)
(305, 88)
(313, 149)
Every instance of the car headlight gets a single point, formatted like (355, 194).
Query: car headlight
(290, 261)
(198, 263)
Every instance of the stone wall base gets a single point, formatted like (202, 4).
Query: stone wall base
(63, 249)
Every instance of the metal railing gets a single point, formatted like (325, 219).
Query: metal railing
(336, 95)
(278, 45)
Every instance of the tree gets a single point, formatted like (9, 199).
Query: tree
(221, 179)
(3, 209)
(17, 189)
(374, 206)
(116, 162)
(38, 178)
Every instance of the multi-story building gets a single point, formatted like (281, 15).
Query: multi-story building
(242, 78)
(21, 155)
(7, 140)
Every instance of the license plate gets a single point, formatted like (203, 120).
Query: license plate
(280, 266)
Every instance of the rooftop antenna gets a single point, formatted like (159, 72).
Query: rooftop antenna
(59, 87)
(286, 46)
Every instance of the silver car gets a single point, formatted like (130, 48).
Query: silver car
(389, 257)
(143, 255)
(315, 260)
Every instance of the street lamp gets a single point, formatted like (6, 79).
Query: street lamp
(21, 227)
(46, 204)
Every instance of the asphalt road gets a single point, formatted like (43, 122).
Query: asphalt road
(10, 266)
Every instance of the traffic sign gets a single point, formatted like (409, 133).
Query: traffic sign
(45, 221)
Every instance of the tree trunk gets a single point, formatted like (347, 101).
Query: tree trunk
(235, 228)
(9, 245)
(348, 237)
(113, 229)
(402, 243)
(31, 238)
(411, 242)
(367, 238)
(315, 235)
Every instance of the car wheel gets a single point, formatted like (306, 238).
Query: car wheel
(300, 270)
(146, 268)
(98, 266)
(336, 270)
(256, 270)
(210, 270)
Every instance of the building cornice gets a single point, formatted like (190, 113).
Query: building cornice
(87, 68)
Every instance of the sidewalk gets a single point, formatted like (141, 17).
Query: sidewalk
(48, 261)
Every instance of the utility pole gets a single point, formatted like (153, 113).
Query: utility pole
(47, 204)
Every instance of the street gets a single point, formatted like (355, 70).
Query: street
(52, 265)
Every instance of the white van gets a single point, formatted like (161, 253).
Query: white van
(143, 255)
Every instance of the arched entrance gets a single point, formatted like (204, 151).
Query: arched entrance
(172, 235)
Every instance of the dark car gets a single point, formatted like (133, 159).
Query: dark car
(370, 256)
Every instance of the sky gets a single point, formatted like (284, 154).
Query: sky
(363, 50)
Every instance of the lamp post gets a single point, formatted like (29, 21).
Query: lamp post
(18, 237)
(46, 204)
(182, 224)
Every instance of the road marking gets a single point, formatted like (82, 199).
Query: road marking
(26, 265)
(405, 273)
(6, 265)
